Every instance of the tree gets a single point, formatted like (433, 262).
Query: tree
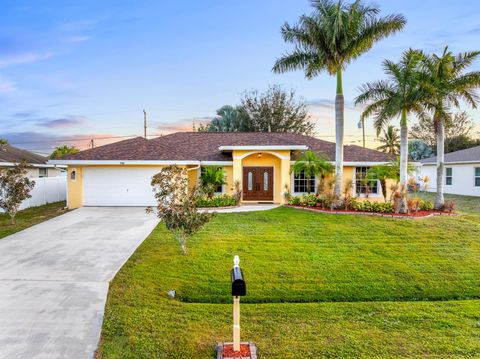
(176, 205)
(398, 96)
(461, 142)
(228, 119)
(329, 39)
(276, 110)
(382, 173)
(312, 165)
(64, 150)
(3, 141)
(390, 141)
(15, 187)
(461, 125)
(210, 178)
(447, 83)
(418, 150)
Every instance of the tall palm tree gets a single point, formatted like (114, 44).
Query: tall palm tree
(335, 34)
(398, 96)
(390, 141)
(312, 165)
(447, 83)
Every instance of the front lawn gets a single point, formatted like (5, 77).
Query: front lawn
(29, 217)
(318, 285)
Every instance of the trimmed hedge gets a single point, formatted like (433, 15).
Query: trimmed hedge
(223, 200)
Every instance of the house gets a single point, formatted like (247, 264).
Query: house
(462, 172)
(37, 165)
(119, 174)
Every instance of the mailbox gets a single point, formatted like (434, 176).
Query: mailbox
(239, 288)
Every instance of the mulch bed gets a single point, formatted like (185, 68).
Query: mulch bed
(413, 215)
(229, 353)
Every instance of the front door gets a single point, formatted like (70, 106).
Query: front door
(258, 183)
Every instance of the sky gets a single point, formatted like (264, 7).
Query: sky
(73, 71)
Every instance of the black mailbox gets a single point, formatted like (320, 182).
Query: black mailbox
(238, 283)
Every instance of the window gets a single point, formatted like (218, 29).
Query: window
(43, 172)
(302, 184)
(448, 176)
(219, 189)
(73, 175)
(265, 181)
(362, 186)
(250, 180)
(477, 176)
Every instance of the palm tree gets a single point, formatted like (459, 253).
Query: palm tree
(211, 178)
(64, 150)
(329, 39)
(447, 84)
(399, 96)
(312, 165)
(390, 141)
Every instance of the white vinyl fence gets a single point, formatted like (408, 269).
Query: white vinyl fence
(46, 190)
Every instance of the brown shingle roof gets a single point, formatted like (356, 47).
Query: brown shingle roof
(203, 146)
(13, 154)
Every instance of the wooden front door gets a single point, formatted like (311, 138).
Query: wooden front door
(258, 183)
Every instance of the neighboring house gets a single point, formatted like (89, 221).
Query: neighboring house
(119, 174)
(37, 165)
(462, 172)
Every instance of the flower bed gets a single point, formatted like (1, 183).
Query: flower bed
(418, 214)
(223, 200)
(418, 208)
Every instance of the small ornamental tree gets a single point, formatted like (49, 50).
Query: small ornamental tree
(15, 187)
(176, 204)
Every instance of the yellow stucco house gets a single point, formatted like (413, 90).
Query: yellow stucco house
(119, 174)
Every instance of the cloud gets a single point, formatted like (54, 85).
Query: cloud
(181, 125)
(69, 121)
(77, 39)
(7, 86)
(23, 58)
(44, 143)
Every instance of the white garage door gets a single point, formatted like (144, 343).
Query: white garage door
(118, 186)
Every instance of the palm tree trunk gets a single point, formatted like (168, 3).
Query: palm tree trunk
(440, 129)
(403, 160)
(339, 132)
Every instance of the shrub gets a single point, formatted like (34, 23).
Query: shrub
(223, 200)
(426, 205)
(294, 201)
(309, 200)
(449, 206)
(414, 204)
(376, 207)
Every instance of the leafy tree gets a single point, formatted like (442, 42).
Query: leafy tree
(390, 141)
(3, 141)
(176, 205)
(399, 95)
(460, 125)
(64, 150)
(418, 150)
(210, 178)
(461, 142)
(447, 83)
(228, 119)
(312, 165)
(335, 34)
(276, 110)
(15, 187)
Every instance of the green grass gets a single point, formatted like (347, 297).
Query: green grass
(317, 285)
(29, 217)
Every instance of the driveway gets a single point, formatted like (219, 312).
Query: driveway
(54, 280)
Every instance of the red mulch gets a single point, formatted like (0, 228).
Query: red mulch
(229, 353)
(418, 214)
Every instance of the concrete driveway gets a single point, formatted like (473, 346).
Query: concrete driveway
(54, 280)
